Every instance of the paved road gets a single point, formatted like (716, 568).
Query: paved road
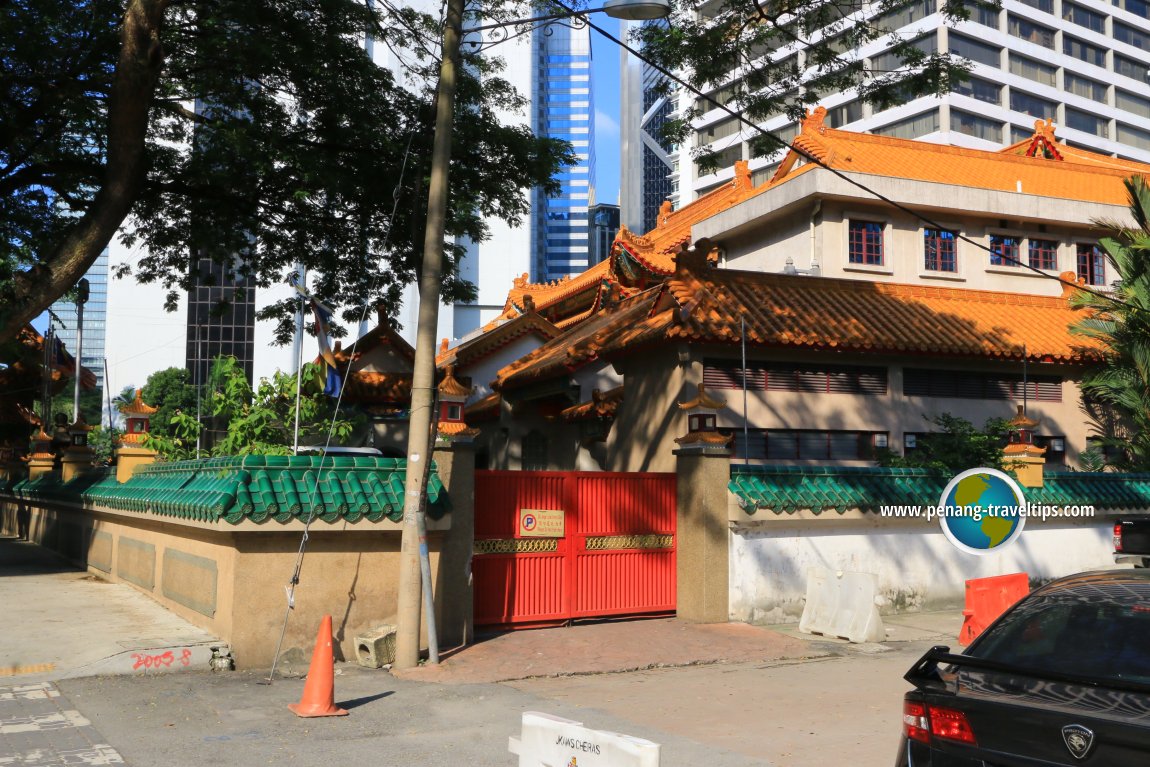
(836, 709)
(727, 696)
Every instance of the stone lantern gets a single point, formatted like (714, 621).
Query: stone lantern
(77, 455)
(131, 452)
(1022, 456)
(702, 414)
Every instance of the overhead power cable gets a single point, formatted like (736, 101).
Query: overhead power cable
(782, 144)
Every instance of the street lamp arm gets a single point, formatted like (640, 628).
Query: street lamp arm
(630, 10)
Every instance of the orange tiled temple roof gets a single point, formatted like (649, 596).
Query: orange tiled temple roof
(483, 409)
(1038, 165)
(1067, 173)
(137, 406)
(362, 386)
(706, 305)
(500, 334)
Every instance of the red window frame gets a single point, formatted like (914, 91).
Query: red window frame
(1091, 264)
(940, 252)
(866, 242)
(1043, 254)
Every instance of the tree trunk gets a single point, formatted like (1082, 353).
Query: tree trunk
(129, 103)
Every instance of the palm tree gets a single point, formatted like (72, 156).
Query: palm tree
(1117, 392)
(125, 397)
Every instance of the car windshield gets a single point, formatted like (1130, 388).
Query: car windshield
(1093, 630)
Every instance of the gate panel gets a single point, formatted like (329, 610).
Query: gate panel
(624, 547)
(617, 555)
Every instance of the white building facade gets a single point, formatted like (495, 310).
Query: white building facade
(1083, 64)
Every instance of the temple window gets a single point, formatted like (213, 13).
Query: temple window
(534, 451)
(1091, 264)
(940, 251)
(1005, 250)
(1044, 254)
(866, 243)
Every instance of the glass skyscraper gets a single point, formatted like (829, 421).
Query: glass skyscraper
(648, 160)
(95, 320)
(563, 108)
(1084, 64)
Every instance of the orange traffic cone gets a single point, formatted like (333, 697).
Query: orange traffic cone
(319, 690)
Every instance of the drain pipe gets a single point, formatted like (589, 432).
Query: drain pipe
(814, 264)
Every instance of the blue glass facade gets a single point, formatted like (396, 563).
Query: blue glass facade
(95, 320)
(563, 108)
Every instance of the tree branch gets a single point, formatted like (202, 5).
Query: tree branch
(133, 85)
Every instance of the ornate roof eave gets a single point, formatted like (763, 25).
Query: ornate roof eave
(703, 400)
(137, 406)
(601, 406)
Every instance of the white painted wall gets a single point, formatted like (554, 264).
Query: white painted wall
(914, 564)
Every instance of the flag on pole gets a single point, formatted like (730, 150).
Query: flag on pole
(59, 357)
(333, 382)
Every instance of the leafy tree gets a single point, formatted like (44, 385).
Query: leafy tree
(300, 149)
(258, 421)
(1117, 393)
(103, 444)
(170, 391)
(954, 446)
(726, 46)
(91, 404)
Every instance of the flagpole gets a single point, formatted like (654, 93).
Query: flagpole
(300, 276)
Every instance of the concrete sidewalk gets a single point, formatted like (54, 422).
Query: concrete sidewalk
(60, 622)
(608, 647)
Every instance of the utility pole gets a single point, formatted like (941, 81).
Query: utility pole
(81, 299)
(419, 441)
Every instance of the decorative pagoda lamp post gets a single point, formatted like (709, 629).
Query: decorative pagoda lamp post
(41, 460)
(1022, 456)
(131, 453)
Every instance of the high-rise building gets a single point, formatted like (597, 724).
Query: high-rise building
(647, 160)
(221, 320)
(604, 224)
(1084, 64)
(95, 320)
(563, 107)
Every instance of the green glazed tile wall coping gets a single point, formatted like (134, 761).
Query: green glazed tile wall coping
(787, 489)
(255, 488)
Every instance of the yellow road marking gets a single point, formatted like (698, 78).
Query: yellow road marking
(34, 668)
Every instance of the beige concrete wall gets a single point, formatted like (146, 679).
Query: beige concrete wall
(231, 582)
(764, 243)
(649, 419)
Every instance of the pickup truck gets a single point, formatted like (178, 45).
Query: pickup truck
(1132, 541)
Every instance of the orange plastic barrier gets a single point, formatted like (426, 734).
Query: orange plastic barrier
(319, 689)
(988, 598)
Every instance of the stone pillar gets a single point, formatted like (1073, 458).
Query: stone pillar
(76, 460)
(454, 600)
(129, 457)
(703, 555)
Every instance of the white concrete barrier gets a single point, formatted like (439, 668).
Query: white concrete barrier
(552, 741)
(842, 604)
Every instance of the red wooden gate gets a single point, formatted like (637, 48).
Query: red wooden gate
(616, 555)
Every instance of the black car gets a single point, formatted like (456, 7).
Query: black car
(1062, 678)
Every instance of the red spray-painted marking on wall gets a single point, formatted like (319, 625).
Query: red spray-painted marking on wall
(163, 660)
